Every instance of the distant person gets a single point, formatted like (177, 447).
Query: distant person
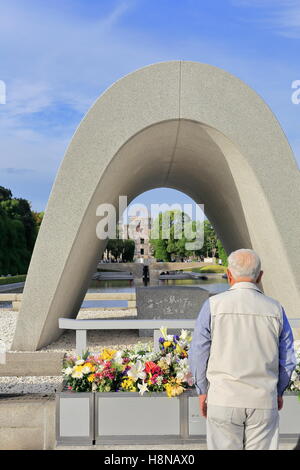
(242, 358)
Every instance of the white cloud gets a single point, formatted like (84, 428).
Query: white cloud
(281, 16)
(54, 67)
(18, 171)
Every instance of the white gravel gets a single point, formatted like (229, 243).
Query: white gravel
(97, 341)
(8, 321)
(25, 385)
(100, 339)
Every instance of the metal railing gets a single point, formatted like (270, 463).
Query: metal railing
(81, 327)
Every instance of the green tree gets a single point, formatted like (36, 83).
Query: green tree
(222, 253)
(121, 248)
(176, 225)
(168, 238)
(128, 250)
(5, 193)
(115, 247)
(38, 218)
(18, 231)
(160, 250)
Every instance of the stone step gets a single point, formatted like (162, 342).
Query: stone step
(27, 422)
(32, 364)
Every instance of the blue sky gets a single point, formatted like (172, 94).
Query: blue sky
(57, 57)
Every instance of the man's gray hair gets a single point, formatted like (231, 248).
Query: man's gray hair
(244, 263)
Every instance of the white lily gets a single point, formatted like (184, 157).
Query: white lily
(68, 371)
(183, 363)
(168, 359)
(159, 380)
(185, 335)
(79, 362)
(137, 371)
(180, 375)
(143, 388)
(77, 374)
(294, 376)
(86, 370)
(297, 384)
(118, 357)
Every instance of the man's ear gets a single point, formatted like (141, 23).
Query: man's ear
(259, 277)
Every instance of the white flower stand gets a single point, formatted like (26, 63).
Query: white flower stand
(75, 418)
(129, 418)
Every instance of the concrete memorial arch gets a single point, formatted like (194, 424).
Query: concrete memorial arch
(183, 125)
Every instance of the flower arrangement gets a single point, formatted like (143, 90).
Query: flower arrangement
(139, 369)
(294, 385)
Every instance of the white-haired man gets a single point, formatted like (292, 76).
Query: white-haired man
(242, 358)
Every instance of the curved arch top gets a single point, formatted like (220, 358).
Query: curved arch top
(185, 125)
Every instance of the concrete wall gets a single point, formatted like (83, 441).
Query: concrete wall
(183, 125)
(27, 423)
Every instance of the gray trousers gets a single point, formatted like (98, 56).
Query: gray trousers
(230, 428)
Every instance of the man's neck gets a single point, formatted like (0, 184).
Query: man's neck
(241, 279)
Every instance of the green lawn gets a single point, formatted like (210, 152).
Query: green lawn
(214, 268)
(12, 279)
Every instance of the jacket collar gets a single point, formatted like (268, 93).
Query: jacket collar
(245, 285)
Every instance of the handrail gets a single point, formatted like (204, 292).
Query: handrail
(121, 324)
(82, 325)
(90, 296)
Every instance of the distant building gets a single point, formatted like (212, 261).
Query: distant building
(138, 229)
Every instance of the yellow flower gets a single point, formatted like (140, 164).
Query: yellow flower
(87, 368)
(78, 368)
(167, 344)
(91, 378)
(180, 350)
(108, 354)
(174, 388)
(128, 384)
(163, 365)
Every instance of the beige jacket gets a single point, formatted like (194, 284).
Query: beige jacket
(243, 366)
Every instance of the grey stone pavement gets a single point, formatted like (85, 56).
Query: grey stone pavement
(202, 446)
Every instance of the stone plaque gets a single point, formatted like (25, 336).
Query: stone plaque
(169, 302)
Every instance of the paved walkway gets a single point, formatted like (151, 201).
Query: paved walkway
(282, 446)
(11, 287)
